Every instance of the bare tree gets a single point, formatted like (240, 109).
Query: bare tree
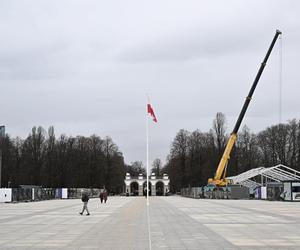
(219, 130)
(177, 165)
(157, 167)
(136, 168)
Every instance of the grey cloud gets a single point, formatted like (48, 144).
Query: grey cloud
(85, 67)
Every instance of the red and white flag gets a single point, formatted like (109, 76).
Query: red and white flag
(151, 112)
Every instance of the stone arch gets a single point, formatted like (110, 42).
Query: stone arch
(134, 188)
(159, 188)
(141, 181)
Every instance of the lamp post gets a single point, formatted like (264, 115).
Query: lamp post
(2, 135)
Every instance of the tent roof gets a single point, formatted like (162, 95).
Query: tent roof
(278, 173)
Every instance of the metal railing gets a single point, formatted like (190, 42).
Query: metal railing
(192, 192)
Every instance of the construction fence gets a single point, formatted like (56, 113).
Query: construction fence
(27, 193)
(207, 192)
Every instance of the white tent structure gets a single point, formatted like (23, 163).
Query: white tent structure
(278, 173)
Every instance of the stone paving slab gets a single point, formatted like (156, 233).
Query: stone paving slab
(175, 223)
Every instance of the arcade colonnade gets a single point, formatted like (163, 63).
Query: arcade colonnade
(136, 185)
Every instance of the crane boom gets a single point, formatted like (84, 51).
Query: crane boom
(220, 176)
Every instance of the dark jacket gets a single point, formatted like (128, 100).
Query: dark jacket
(105, 195)
(85, 197)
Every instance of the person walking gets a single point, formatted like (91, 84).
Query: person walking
(85, 199)
(105, 195)
(101, 196)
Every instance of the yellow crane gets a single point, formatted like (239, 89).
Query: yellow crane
(220, 175)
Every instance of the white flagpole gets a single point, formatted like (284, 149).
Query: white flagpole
(147, 163)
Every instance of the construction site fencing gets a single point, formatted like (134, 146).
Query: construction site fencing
(212, 192)
(217, 193)
(35, 193)
(192, 192)
(204, 192)
(74, 193)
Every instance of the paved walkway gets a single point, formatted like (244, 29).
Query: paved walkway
(175, 223)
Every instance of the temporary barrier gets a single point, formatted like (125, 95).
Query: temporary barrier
(64, 193)
(5, 195)
(193, 192)
(274, 190)
(291, 191)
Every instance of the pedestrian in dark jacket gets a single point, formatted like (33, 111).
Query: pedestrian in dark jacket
(101, 196)
(105, 195)
(85, 199)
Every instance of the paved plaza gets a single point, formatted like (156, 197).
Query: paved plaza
(175, 223)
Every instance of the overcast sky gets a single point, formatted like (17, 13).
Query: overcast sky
(85, 67)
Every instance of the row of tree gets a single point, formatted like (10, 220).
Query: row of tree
(194, 156)
(42, 159)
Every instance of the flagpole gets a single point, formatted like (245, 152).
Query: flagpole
(147, 163)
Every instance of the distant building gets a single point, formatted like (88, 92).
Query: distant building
(136, 186)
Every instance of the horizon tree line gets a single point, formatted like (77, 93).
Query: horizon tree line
(44, 160)
(194, 156)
